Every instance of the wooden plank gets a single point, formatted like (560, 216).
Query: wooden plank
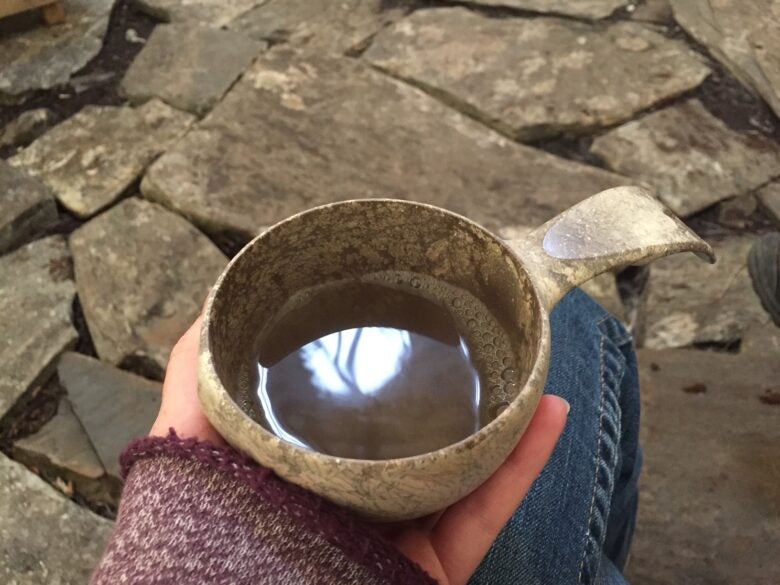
(8, 7)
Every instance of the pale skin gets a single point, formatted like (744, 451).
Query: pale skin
(448, 545)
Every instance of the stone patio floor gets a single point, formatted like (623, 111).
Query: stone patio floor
(142, 143)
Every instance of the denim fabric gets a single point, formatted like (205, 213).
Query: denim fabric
(576, 523)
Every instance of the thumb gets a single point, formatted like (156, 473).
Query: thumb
(466, 531)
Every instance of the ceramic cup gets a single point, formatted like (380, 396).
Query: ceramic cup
(520, 281)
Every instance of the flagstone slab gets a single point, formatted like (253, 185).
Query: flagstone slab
(744, 35)
(689, 156)
(710, 487)
(27, 207)
(44, 57)
(44, 537)
(691, 302)
(188, 66)
(61, 450)
(592, 9)
(318, 27)
(537, 77)
(298, 132)
(142, 274)
(113, 407)
(216, 13)
(36, 296)
(91, 158)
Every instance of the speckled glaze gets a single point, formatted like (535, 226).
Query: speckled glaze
(520, 280)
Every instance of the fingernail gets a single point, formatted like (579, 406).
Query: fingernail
(568, 406)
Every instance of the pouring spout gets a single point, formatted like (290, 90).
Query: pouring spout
(617, 227)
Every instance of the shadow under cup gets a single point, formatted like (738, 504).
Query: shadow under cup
(350, 240)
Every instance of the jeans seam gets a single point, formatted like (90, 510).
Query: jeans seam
(598, 448)
(617, 332)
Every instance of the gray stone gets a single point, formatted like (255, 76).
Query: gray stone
(736, 212)
(656, 11)
(36, 294)
(592, 9)
(114, 407)
(571, 78)
(294, 133)
(45, 539)
(317, 26)
(708, 510)
(211, 12)
(188, 66)
(82, 83)
(91, 158)
(27, 207)
(742, 34)
(61, 449)
(26, 127)
(43, 57)
(690, 157)
(689, 301)
(142, 274)
(762, 343)
(769, 197)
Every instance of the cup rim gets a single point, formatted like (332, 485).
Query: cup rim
(206, 356)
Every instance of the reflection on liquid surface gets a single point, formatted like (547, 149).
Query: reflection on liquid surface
(372, 393)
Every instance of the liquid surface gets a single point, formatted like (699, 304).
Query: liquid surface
(395, 366)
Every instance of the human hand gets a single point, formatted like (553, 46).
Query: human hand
(180, 409)
(448, 545)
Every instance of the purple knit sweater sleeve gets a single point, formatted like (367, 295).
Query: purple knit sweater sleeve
(195, 513)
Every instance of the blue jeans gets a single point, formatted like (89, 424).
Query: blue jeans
(576, 523)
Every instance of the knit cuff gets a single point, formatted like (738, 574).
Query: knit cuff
(307, 512)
